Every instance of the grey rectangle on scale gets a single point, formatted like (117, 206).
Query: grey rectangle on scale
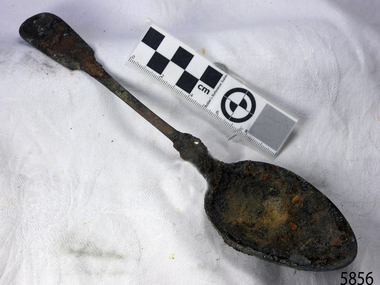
(272, 127)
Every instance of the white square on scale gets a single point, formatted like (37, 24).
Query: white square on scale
(168, 47)
(197, 66)
(172, 73)
(143, 54)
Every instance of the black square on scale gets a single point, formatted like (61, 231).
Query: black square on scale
(182, 57)
(211, 77)
(158, 62)
(187, 82)
(153, 38)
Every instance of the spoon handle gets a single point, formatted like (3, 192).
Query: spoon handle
(51, 35)
(190, 148)
(170, 132)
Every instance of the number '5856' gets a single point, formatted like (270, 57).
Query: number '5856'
(359, 279)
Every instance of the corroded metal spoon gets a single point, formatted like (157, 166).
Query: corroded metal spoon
(258, 208)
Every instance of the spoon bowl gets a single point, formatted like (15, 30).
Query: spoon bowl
(268, 211)
(258, 208)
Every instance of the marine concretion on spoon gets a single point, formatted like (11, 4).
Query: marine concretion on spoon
(258, 208)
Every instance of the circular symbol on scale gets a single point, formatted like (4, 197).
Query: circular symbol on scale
(238, 105)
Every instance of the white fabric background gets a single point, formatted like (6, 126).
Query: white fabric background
(92, 194)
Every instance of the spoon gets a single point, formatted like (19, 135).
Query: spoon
(258, 208)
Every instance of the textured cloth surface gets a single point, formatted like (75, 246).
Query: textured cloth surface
(90, 193)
